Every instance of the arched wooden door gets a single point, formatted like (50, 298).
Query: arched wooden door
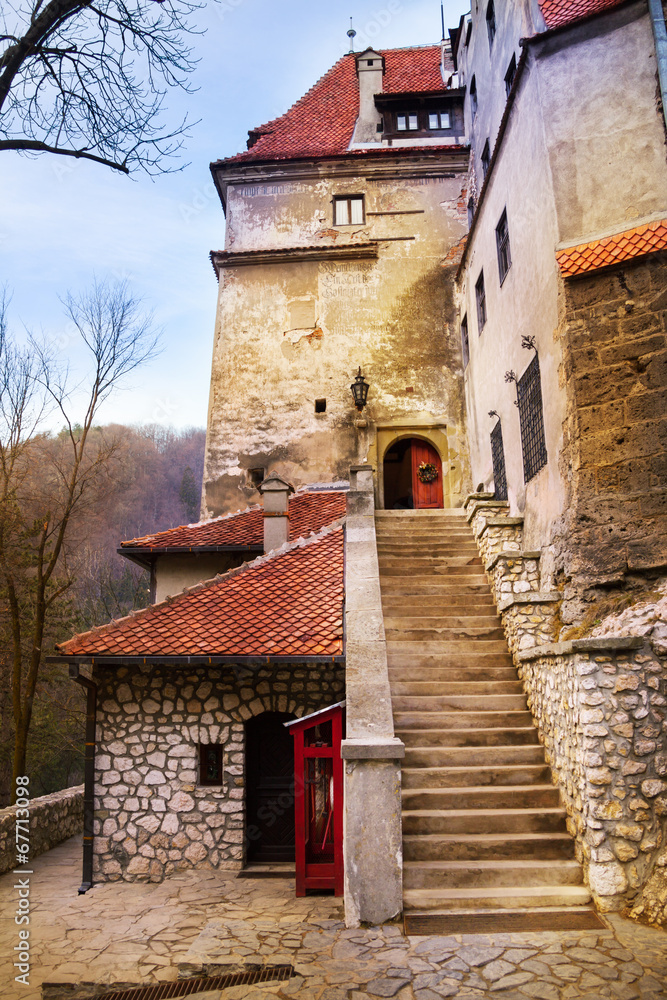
(426, 495)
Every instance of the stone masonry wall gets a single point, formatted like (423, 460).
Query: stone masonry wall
(151, 816)
(614, 456)
(53, 818)
(600, 708)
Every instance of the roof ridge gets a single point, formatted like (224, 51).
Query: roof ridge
(266, 557)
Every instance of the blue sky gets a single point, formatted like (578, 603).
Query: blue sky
(63, 222)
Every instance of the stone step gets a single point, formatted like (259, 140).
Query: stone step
(420, 565)
(423, 775)
(476, 689)
(542, 820)
(503, 921)
(487, 846)
(453, 666)
(481, 797)
(435, 604)
(459, 633)
(471, 571)
(425, 549)
(497, 872)
(463, 720)
(503, 896)
(416, 587)
(431, 702)
(455, 619)
(494, 736)
(415, 648)
(458, 758)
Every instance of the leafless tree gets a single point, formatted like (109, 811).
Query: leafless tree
(49, 483)
(87, 78)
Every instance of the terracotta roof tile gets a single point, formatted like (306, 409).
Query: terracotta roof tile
(321, 122)
(308, 512)
(558, 13)
(289, 603)
(613, 249)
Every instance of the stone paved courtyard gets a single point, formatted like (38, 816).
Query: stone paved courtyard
(142, 933)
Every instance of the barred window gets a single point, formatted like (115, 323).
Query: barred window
(486, 158)
(480, 298)
(465, 346)
(473, 97)
(210, 764)
(498, 459)
(491, 22)
(531, 419)
(510, 74)
(503, 247)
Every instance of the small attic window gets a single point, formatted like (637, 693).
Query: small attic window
(407, 122)
(370, 62)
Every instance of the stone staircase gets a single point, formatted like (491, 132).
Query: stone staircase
(485, 844)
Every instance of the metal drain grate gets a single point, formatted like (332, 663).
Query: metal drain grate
(202, 984)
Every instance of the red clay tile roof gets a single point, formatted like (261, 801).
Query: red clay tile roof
(286, 604)
(613, 249)
(321, 122)
(557, 13)
(308, 512)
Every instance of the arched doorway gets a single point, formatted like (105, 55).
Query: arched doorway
(403, 487)
(269, 788)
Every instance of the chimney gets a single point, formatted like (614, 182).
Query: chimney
(370, 68)
(275, 494)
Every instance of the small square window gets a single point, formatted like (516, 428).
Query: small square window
(465, 345)
(320, 406)
(438, 119)
(473, 97)
(491, 22)
(349, 210)
(256, 476)
(503, 247)
(480, 298)
(210, 764)
(486, 158)
(509, 75)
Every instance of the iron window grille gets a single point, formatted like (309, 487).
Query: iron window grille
(465, 344)
(486, 158)
(531, 420)
(498, 459)
(503, 247)
(473, 97)
(510, 74)
(491, 22)
(210, 764)
(480, 298)
(349, 210)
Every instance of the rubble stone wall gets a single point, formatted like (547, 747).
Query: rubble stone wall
(600, 706)
(53, 818)
(152, 817)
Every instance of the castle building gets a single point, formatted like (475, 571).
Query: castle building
(472, 235)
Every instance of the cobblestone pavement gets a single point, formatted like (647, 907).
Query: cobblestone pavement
(140, 933)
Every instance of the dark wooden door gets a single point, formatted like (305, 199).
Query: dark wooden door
(426, 495)
(269, 788)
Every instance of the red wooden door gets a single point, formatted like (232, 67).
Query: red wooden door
(426, 494)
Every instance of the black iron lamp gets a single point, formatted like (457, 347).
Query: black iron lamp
(360, 389)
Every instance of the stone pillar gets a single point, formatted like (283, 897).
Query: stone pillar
(275, 495)
(372, 754)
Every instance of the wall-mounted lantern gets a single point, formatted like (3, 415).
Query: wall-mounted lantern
(360, 389)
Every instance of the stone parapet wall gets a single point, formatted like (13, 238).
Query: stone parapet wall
(513, 572)
(152, 817)
(600, 706)
(529, 619)
(53, 818)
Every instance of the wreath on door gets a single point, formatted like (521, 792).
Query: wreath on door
(427, 472)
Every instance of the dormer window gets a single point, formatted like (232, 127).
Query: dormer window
(438, 120)
(407, 122)
(349, 210)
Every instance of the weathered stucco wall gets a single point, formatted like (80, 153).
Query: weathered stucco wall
(151, 816)
(294, 331)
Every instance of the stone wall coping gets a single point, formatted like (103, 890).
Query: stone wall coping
(485, 505)
(478, 496)
(372, 749)
(531, 597)
(591, 645)
(508, 554)
(501, 522)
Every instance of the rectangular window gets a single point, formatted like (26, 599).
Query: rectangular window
(465, 345)
(498, 459)
(503, 247)
(509, 75)
(210, 764)
(480, 298)
(473, 97)
(486, 158)
(491, 22)
(349, 210)
(438, 120)
(531, 420)
(407, 122)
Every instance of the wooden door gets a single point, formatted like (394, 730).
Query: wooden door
(426, 495)
(270, 788)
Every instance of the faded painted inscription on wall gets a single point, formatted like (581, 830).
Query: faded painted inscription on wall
(347, 280)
